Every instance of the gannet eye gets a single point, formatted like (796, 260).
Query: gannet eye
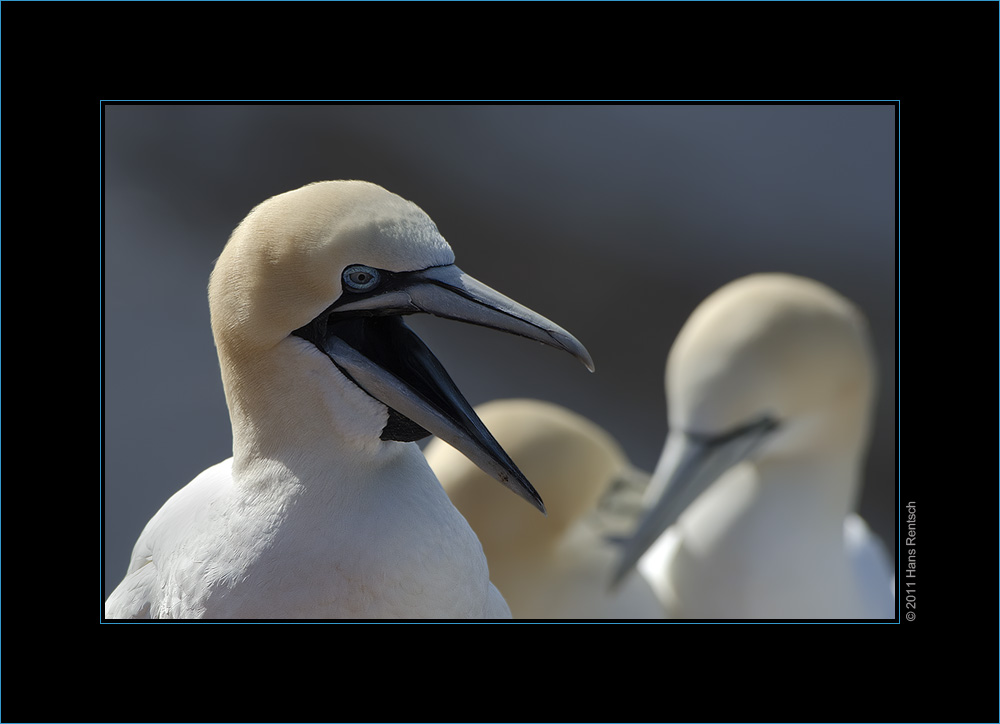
(360, 278)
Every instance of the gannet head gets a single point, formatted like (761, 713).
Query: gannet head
(777, 347)
(770, 366)
(337, 264)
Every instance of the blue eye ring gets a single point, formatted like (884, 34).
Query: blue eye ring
(360, 278)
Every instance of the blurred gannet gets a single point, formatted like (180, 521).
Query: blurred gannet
(770, 387)
(556, 567)
(327, 509)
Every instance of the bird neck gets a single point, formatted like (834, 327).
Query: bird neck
(291, 403)
(761, 504)
(822, 487)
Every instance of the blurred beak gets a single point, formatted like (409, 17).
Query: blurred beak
(366, 338)
(690, 463)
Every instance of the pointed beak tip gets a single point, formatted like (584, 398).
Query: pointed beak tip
(580, 352)
(538, 504)
(572, 345)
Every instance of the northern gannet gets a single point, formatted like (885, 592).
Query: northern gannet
(556, 567)
(770, 386)
(327, 509)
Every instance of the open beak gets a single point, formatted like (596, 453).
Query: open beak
(690, 463)
(365, 337)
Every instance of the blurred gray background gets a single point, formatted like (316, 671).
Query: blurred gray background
(614, 221)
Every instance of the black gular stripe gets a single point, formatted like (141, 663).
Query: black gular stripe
(762, 425)
(389, 343)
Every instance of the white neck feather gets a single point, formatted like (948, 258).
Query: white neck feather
(292, 401)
